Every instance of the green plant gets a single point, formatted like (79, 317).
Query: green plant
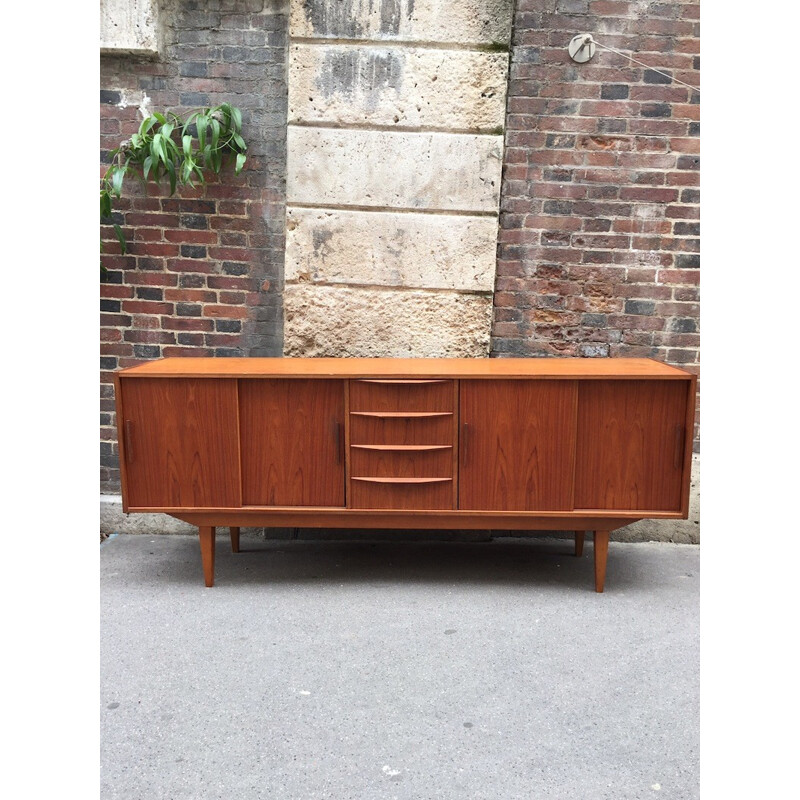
(167, 146)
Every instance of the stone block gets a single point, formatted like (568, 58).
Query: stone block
(386, 169)
(377, 248)
(485, 22)
(371, 323)
(368, 85)
(129, 26)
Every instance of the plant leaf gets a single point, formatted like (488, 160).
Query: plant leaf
(116, 180)
(121, 239)
(240, 159)
(173, 178)
(148, 163)
(202, 124)
(147, 123)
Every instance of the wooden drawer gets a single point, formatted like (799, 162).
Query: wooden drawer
(366, 461)
(406, 395)
(402, 493)
(438, 428)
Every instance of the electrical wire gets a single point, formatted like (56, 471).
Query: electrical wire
(590, 39)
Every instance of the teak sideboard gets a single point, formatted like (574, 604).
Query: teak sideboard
(522, 444)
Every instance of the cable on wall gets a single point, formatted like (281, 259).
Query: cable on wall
(582, 47)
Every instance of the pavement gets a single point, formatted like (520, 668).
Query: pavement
(375, 670)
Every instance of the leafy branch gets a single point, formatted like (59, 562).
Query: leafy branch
(182, 151)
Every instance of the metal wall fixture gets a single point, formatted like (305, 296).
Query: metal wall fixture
(581, 48)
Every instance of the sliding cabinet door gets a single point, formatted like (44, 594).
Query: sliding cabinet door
(178, 443)
(516, 445)
(631, 444)
(292, 442)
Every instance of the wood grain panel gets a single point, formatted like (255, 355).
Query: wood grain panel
(292, 442)
(401, 397)
(405, 368)
(630, 449)
(518, 446)
(402, 464)
(402, 495)
(401, 430)
(180, 443)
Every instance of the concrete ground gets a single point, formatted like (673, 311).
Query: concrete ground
(378, 670)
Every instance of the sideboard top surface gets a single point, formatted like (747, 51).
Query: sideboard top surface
(556, 368)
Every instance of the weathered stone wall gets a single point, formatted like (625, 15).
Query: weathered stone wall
(129, 26)
(394, 151)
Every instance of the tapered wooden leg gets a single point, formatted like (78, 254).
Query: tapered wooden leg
(600, 558)
(235, 540)
(208, 537)
(579, 537)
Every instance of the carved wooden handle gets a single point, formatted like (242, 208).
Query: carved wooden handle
(129, 441)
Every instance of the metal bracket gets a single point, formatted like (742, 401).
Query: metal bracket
(581, 48)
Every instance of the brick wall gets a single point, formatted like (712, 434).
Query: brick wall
(598, 247)
(598, 252)
(205, 267)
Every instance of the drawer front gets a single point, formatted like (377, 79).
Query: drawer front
(410, 395)
(402, 495)
(409, 430)
(402, 444)
(402, 463)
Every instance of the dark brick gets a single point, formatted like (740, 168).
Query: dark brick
(194, 99)
(687, 261)
(651, 76)
(198, 222)
(234, 268)
(112, 306)
(228, 352)
(690, 196)
(194, 69)
(560, 207)
(110, 276)
(656, 110)
(188, 310)
(594, 320)
(686, 229)
(193, 251)
(191, 281)
(683, 325)
(228, 325)
(640, 307)
(147, 351)
(109, 97)
(149, 293)
(688, 162)
(108, 362)
(615, 91)
(153, 83)
(694, 129)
